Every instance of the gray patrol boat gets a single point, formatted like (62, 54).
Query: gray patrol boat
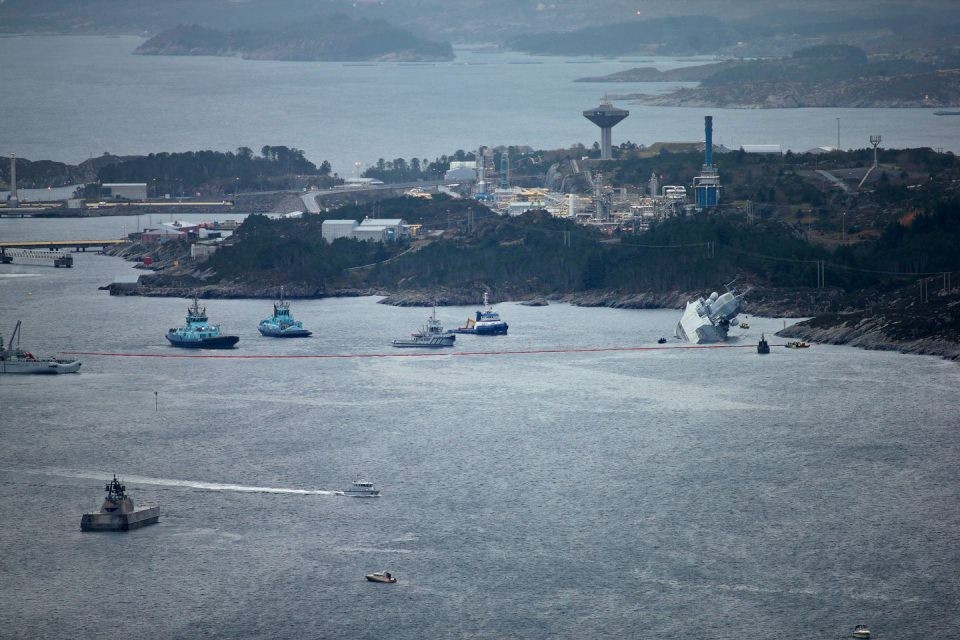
(117, 512)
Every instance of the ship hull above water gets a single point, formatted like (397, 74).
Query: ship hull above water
(46, 366)
(119, 521)
(432, 342)
(491, 329)
(217, 342)
(271, 332)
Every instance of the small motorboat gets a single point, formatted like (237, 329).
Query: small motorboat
(662, 340)
(362, 489)
(382, 576)
(797, 344)
(861, 631)
(744, 325)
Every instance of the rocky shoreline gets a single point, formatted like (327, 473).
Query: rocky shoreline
(930, 328)
(863, 329)
(894, 322)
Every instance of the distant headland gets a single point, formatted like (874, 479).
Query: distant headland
(334, 38)
(823, 76)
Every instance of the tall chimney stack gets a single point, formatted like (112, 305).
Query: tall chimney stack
(708, 146)
(14, 201)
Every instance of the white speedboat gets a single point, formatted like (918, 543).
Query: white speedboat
(861, 631)
(362, 489)
(16, 360)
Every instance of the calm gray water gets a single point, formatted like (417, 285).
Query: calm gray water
(650, 494)
(70, 98)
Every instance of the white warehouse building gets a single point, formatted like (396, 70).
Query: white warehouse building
(333, 229)
(375, 232)
(376, 229)
(396, 228)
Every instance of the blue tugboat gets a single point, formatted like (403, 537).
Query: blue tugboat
(198, 333)
(487, 322)
(281, 324)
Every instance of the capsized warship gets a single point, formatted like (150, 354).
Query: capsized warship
(709, 319)
(117, 512)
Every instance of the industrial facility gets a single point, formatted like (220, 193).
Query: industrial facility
(592, 200)
(706, 186)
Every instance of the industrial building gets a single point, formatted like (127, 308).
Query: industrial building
(375, 229)
(396, 228)
(159, 236)
(463, 171)
(371, 232)
(333, 229)
(124, 190)
(770, 149)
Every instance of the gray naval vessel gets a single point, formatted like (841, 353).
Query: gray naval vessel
(117, 512)
(709, 319)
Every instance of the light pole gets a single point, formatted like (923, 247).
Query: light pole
(843, 233)
(875, 141)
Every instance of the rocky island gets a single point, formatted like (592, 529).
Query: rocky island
(333, 38)
(823, 76)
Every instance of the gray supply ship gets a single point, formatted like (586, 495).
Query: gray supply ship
(708, 319)
(117, 512)
(430, 335)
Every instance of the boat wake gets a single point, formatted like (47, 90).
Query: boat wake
(189, 484)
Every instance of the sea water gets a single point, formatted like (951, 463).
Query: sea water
(68, 98)
(569, 480)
